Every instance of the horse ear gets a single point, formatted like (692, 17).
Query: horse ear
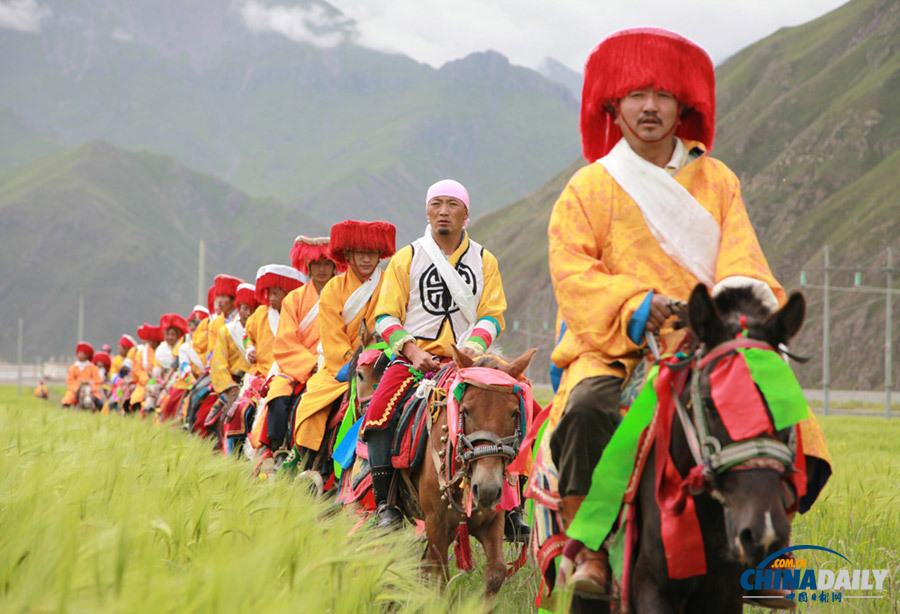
(462, 361)
(782, 325)
(365, 337)
(704, 318)
(517, 367)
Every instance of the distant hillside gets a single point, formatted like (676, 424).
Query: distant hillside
(328, 129)
(807, 120)
(122, 229)
(21, 142)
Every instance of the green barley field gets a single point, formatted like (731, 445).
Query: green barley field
(104, 514)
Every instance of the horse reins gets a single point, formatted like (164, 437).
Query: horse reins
(707, 451)
(467, 451)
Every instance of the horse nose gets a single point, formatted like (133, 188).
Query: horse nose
(757, 542)
(486, 496)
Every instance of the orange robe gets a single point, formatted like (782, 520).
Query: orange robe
(295, 350)
(142, 371)
(339, 341)
(78, 374)
(260, 336)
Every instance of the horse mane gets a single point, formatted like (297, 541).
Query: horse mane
(490, 361)
(733, 303)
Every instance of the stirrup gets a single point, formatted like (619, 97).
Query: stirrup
(388, 517)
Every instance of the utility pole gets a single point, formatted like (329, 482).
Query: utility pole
(888, 343)
(826, 334)
(20, 356)
(80, 318)
(201, 274)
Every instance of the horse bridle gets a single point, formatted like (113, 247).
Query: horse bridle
(467, 450)
(707, 451)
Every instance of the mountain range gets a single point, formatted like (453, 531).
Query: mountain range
(122, 229)
(300, 113)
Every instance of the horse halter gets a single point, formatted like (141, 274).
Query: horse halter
(711, 458)
(468, 447)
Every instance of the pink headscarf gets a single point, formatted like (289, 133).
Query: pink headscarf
(449, 187)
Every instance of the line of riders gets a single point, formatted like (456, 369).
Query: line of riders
(373, 381)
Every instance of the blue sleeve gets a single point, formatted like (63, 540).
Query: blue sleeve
(343, 373)
(638, 321)
(556, 372)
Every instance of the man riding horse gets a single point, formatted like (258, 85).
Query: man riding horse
(630, 236)
(443, 289)
(296, 345)
(345, 302)
(82, 371)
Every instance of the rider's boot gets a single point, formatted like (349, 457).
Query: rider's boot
(591, 575)
(386, 516)
(379, 444)
(515, 529)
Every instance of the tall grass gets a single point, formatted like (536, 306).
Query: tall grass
(107, 514)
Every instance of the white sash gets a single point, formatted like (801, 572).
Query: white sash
(145, 359)
(360, 297)
(274, 316)
(307, 320)
(237, 335)
(686, 231)
(459, 290)
(190, 353)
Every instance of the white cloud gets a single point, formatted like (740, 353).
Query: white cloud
(527, 31)
(122, 35)
(23, 15)
(309, 25)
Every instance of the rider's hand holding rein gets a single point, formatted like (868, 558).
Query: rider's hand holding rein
(660, 311)
(420, 359)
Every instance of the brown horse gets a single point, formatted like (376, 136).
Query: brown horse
(490, 436)
(742, 496)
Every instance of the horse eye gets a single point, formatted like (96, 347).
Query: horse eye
(361, 377)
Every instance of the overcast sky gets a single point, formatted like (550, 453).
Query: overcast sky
(527, 31)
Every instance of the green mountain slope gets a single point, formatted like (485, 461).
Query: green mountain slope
(122, 229)
(807, 121)
(314, 127)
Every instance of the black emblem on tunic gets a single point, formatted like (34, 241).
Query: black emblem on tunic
(436, 298)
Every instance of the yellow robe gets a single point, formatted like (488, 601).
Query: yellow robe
(260, 335)
(226, 360)
(295, 351)
(141, 375)
(200, 339)
(339, 341)
(118, 360)
(604, 260)
(394, 297)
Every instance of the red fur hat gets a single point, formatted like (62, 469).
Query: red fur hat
(211, 300)
(173, 320)
(246, 293)
(199, 312)
(102, 358)
(149, 333)
(362, 236)
(277, 276)
(87, 348)
(226, 285)
(646, 57)
(309, 249)
(127, 341)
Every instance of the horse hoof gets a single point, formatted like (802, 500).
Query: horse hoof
(317, 485)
